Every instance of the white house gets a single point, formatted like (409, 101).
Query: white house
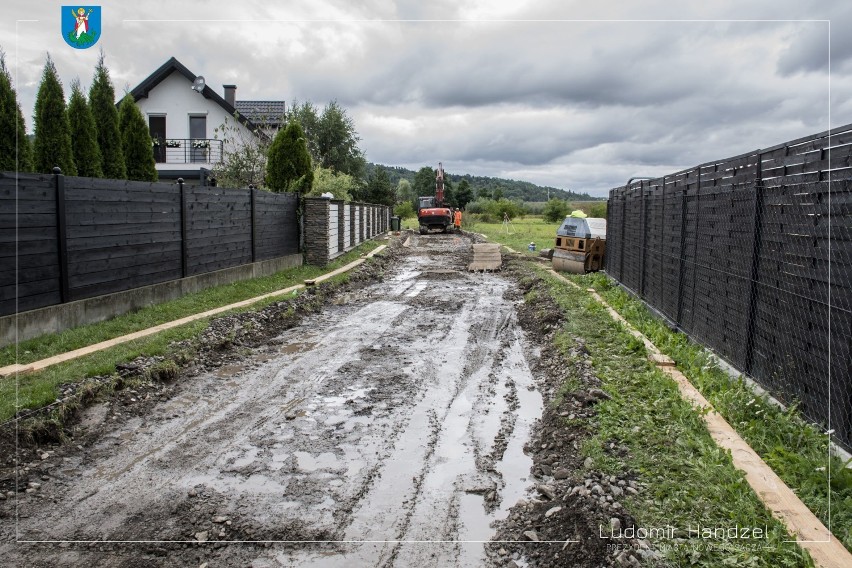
(182, 113)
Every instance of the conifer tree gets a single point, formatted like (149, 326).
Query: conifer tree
(289, 165)
(136, 142)
(84, 136)
(15, 149)
(102, 103)
(52, 130)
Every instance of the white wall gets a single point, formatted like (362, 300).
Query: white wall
(174, 98)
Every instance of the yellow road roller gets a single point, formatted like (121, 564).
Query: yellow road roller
(580, 244)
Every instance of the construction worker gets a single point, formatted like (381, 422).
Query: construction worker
(457, 219)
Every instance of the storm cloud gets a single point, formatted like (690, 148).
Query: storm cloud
(574, 95)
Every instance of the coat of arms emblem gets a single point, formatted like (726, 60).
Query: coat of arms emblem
(81, 25)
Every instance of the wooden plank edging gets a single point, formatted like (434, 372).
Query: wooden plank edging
(15, 369)
(825, 549)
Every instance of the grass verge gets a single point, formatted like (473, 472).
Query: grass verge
(53, 344)
(690, 481)
(36, 390)
(519, 234)
(795, 449)
(522, 232)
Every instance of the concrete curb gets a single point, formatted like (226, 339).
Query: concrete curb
(62, 357)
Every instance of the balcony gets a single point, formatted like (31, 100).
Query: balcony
(187, 151)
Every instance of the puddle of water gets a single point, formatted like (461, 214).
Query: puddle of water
(292, 348)
(340, 400)
(309, 463)
(515, 465)
(416, 289)
(248, 458)
(228, 371)
(474, 523)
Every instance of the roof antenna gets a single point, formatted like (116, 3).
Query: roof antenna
(198, 84)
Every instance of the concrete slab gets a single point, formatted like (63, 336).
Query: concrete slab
(486, 256)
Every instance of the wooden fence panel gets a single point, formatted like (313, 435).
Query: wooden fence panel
(277, 224)
(29, 249)
(218, 228)
(121, 235)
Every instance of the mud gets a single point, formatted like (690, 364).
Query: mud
(411, 417)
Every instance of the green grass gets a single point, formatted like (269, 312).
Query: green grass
(796, 450)
(35, 390)
(53, 344)
(689, 479)
(519, 234)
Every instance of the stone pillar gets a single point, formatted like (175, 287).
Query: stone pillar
(316, 231)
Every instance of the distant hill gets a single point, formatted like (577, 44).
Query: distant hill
(512, 189)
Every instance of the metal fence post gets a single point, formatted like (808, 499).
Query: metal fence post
(695, 244)
(62, 233)
(643, 211)
(682, 254)
(755, 264)
(660, 279)
(621, 234)
(252, 204)
(183, 243)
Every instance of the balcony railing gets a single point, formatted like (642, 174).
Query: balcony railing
(187, 151)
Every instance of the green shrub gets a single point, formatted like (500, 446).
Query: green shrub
(497, 209)
(289, 165)
(598, 210)
(404, 210)
(555, 210)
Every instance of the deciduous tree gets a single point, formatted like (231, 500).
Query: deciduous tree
(337, 142)
(244, 155)
(379, 189)
(405, 193)
(424, 182)
(341, 186)
(306, 114)
(330, 137)
(464, 194)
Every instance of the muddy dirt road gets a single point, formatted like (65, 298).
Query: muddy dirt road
(387, 430)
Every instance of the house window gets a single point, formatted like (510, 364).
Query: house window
(198, 134)
(157, 128)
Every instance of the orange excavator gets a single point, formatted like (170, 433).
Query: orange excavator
(432, 212)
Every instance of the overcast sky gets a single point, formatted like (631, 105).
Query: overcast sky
(578, 95)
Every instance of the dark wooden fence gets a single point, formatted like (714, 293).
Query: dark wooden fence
(69, 238)
(752, 256)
